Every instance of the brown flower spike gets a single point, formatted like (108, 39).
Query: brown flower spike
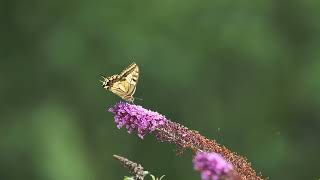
(134, 168)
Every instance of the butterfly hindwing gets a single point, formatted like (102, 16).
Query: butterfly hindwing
(118, 89)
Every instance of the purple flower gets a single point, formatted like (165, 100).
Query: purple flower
(211, 165)
(136, 119)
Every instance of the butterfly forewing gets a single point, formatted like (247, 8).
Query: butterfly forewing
(132, 68)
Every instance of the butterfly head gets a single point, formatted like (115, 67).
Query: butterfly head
(105, 82)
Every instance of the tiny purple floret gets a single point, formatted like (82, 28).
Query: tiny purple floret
(136, 118)
(211, 165)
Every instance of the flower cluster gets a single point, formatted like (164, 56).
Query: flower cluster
(212, 166)
(136, 118)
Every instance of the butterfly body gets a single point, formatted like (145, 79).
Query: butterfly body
(123, 84)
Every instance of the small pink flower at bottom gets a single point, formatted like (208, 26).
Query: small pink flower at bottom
(212, 166)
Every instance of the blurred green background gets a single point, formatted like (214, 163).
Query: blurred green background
(246, 73)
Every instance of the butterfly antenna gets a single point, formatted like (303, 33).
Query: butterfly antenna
(139, 98)
(104, 79)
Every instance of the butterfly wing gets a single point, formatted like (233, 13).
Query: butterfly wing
(119, 88)
(131, 68)
(126, 83)
(132, 76)
(123, 89)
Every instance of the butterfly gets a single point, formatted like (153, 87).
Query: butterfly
(123, 84)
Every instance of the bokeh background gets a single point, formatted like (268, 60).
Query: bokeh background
(246, 73)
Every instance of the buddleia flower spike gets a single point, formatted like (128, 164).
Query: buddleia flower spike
(214, 167)
(141, 121)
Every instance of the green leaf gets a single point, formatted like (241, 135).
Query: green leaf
(128, 178)
(153, 177)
